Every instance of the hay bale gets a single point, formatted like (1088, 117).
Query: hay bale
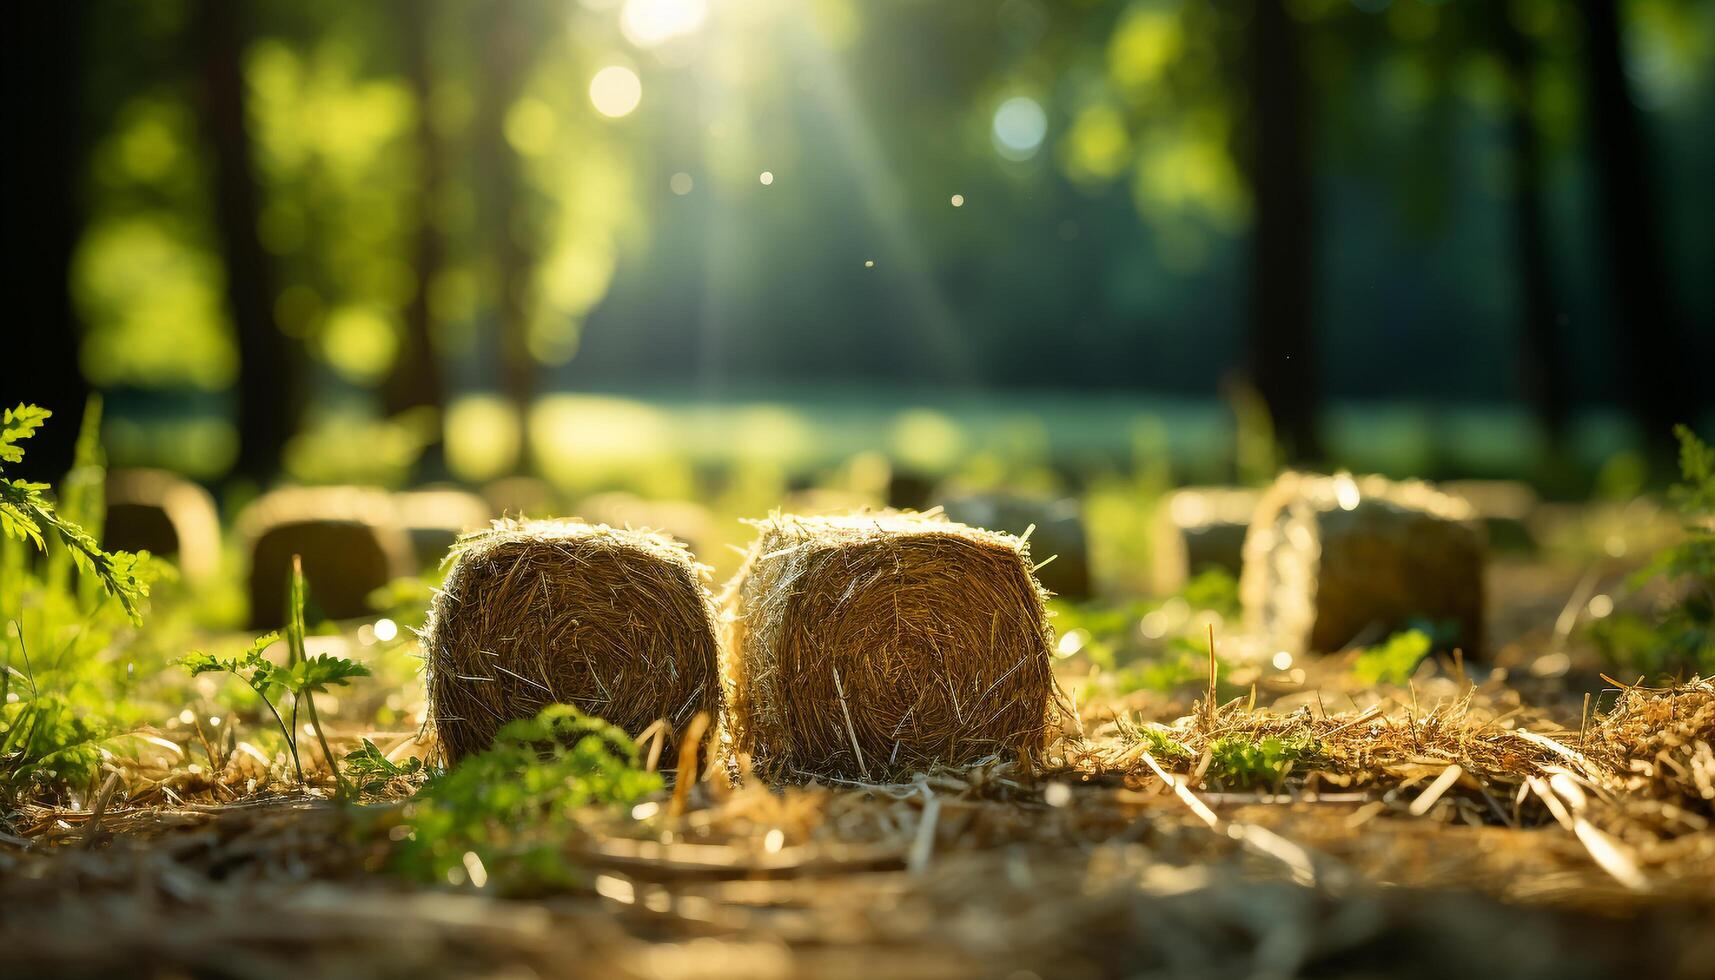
(521, 496)
(1336, 561)
(874, 646)
(435, 519)
(1056, 527)
(617, 623)
(1505, 508)
(349, 540)
(1197, 528)
(681, 520)
(164, 514)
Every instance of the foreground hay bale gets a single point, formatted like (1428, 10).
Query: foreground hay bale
(616, 623)
(349, 541)
(164, 514)
(1056, 528)
(875, 646)
(1332, 561)
(1198, 528)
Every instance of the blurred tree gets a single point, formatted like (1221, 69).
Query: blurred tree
(1283, 269)
(1542, 361)
(415, 380)
(507, 46)
(42, 222)
(270, 381)
(1644, 316)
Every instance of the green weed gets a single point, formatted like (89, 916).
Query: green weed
(1678, 636)
(302, 677)
(509, 810)
(1394, 661)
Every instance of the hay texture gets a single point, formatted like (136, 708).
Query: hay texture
(350, 541)
(617, 623)
(870, 647)
(1338, 561)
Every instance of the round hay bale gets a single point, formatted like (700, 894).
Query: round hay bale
(617, 623)
(1056, 529)
(1337, 561)
(164, 514)
(873, 646)
(1198, 528)
(349, 541)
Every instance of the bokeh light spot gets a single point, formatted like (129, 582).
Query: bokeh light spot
(767, 177)
(1019, 128)
(647, 23)
(615, 91)
(681, 183)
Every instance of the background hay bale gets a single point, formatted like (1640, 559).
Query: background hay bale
(1059, 537)
(683, 520)
(434, 519)
(166, 515)
(616, 623)
(520, 497)
(934, 633)
(1505, 508)
(1337, 561)
(349, 541)
(1198, 528)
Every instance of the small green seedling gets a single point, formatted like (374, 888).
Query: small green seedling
(302, 676)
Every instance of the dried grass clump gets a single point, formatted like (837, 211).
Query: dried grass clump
(1660, 744)
(1338, 561)
(616, 623)
(878, 645)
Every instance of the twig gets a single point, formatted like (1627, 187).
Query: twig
(850, 728)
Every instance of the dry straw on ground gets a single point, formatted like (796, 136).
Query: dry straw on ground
(617, 623)
(868, 647)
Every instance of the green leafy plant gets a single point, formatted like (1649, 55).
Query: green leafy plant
(58, 708)
(1677, 636)
(1237, 761)
(303, 677)
(371, 771)
(511, 808)
(27, 514)
(1394, 661)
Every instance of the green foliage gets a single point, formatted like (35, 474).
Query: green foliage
(514, 805)
(1214, 589)
(27, 514)
(371, 771)
(1237, 761)
(1679, 635)
(302, 677)
(1162, 745)
(1394, 661)
(44, 739)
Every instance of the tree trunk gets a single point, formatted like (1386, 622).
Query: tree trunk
(416, 378)
(44, 163)
(1644, 318)
(506, 50)
(269, 375)
(1283, 361)
(1542, 363)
